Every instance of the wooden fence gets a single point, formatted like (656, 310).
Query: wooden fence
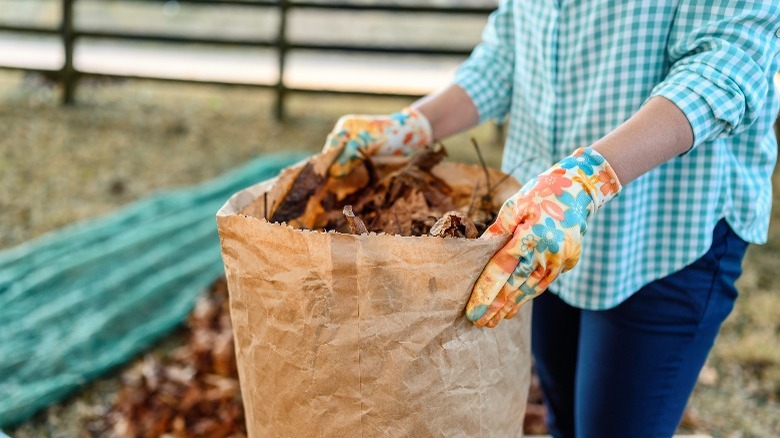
(68, 75)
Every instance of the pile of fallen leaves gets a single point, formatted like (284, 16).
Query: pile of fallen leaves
(409, 200)
(192, 392)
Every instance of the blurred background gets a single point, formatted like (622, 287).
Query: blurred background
(104, 103)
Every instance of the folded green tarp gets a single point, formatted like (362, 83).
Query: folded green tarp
(88, 297)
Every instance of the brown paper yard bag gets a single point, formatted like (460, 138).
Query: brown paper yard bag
(365, 335)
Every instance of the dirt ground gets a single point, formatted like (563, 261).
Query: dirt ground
(126, 139)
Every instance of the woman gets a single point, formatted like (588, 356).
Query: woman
(674, 100)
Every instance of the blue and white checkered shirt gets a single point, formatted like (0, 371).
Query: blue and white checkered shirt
(567, 72)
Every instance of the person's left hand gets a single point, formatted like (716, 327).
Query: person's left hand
(402, 133)
(547, 219)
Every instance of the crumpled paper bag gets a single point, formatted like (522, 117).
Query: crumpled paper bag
(365, 335)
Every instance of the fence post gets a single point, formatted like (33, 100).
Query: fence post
(67, 74)
(281, 47)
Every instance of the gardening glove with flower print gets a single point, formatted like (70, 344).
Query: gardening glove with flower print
(401, 133)
(547, 219)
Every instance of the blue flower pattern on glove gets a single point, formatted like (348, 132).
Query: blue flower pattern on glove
(586, 162)
(401, 118)
(549, 236)
(578, 211)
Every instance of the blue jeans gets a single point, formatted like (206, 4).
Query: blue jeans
(628, 371)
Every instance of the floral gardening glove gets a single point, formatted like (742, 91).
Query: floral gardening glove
(547, 219)
(397, 134)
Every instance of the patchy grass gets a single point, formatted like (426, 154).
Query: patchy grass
(126, 139)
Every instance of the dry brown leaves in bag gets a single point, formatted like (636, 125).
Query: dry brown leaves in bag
(405, 199)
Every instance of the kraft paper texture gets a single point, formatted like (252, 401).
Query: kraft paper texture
(343, 335)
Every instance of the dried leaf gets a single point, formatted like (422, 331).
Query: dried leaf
(403, 213)
(294, 203)
(223, 354)
(454, 224)
(429, 157)
(535, 420)
(355, 224)
(310, 179)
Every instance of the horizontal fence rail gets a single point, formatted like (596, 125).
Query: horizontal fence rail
(67, 75)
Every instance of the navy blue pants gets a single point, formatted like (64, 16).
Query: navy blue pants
(629, 371)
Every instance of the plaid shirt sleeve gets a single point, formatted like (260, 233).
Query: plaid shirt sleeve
(488, 74)
(719, 56)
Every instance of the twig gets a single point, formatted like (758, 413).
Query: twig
(265, 205)
(511, 171)
(472, 199)
(426, 158)
(398, 229)
(370, 168)
(373, 220)
(482, 162)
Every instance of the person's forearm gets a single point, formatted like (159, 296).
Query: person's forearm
(658, 132)
(449, 111)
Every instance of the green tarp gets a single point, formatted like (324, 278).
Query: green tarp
(78, 301)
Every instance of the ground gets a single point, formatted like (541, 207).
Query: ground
(124, 140)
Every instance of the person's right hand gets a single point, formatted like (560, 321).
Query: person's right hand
(547, 219)
(401, 133)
